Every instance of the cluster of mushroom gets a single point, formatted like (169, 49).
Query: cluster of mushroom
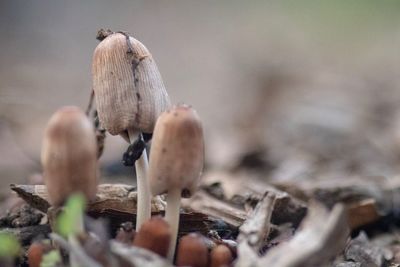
(131, 101)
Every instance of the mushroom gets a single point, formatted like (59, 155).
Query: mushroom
(69, 159)
(130, 95)
(69, 156)
(36, 252)
(176, 161)
(192, 251)
(221, 256)
(154, 235)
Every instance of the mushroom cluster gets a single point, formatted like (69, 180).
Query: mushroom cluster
(131, 101)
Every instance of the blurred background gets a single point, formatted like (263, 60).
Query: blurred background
(288, 90)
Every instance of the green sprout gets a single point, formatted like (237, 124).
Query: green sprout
(69, 222)
(51, 259)
(9, 246)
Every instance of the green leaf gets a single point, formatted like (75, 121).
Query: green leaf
(9, 246)
(51, 259)
(69, 222)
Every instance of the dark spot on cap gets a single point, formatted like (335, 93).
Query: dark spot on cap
(175, 114)
(163, 150)
(112, 73)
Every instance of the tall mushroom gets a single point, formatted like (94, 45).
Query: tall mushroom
(129, 95)
(176, 161)
(69, 156)
(69, 159)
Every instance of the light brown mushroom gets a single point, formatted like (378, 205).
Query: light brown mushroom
(176, 161)
(129, 95)
(221, 256)
(69, 156)
(192, 251)
(154, 235)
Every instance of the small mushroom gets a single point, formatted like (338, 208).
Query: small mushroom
(192, 251)
(221, 256)
(130, 95)
(69, 156)
(36, 252)
(154, 235)
(176, 161)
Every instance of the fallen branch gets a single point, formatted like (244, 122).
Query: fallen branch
(322, 236)
(254, 231)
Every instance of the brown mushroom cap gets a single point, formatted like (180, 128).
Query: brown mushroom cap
(128, 87)
(154, 235)
(69, 156)
(221, 256)
(192, 251)
(177, 151)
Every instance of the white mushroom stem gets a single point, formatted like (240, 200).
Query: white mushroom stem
(142, 185)
(172, 217)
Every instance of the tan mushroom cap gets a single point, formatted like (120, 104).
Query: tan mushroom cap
(128, 96)
(69, 156)
(177, 151)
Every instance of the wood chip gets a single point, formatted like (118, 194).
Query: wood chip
(254, 231)
(322, 236)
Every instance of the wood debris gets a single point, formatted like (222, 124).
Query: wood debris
(321, 237)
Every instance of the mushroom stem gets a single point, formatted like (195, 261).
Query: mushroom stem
(142, 184)
(172, 217)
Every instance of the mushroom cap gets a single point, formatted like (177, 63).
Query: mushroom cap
(177, 151)
(154, 235)
(69, 156)
(192, 251)
(220, 256)
(129, 90)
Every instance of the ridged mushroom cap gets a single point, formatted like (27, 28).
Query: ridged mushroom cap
(177, 151)
(69, 156)
(129, 90)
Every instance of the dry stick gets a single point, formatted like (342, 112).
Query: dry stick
(254, 231)
(143, 189)
(322, 236)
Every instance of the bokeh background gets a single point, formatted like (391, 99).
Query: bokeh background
(286, 89)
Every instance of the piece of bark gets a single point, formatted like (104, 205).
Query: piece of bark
(118, 197)
(321, 236)
(363, 251)
(138, 256)
(235, 190)
(368, 198)
(254, 231)
(26, 235)
(203, 202)
(117, 203)
(329, 192)
(362, 213)
(286, 208)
